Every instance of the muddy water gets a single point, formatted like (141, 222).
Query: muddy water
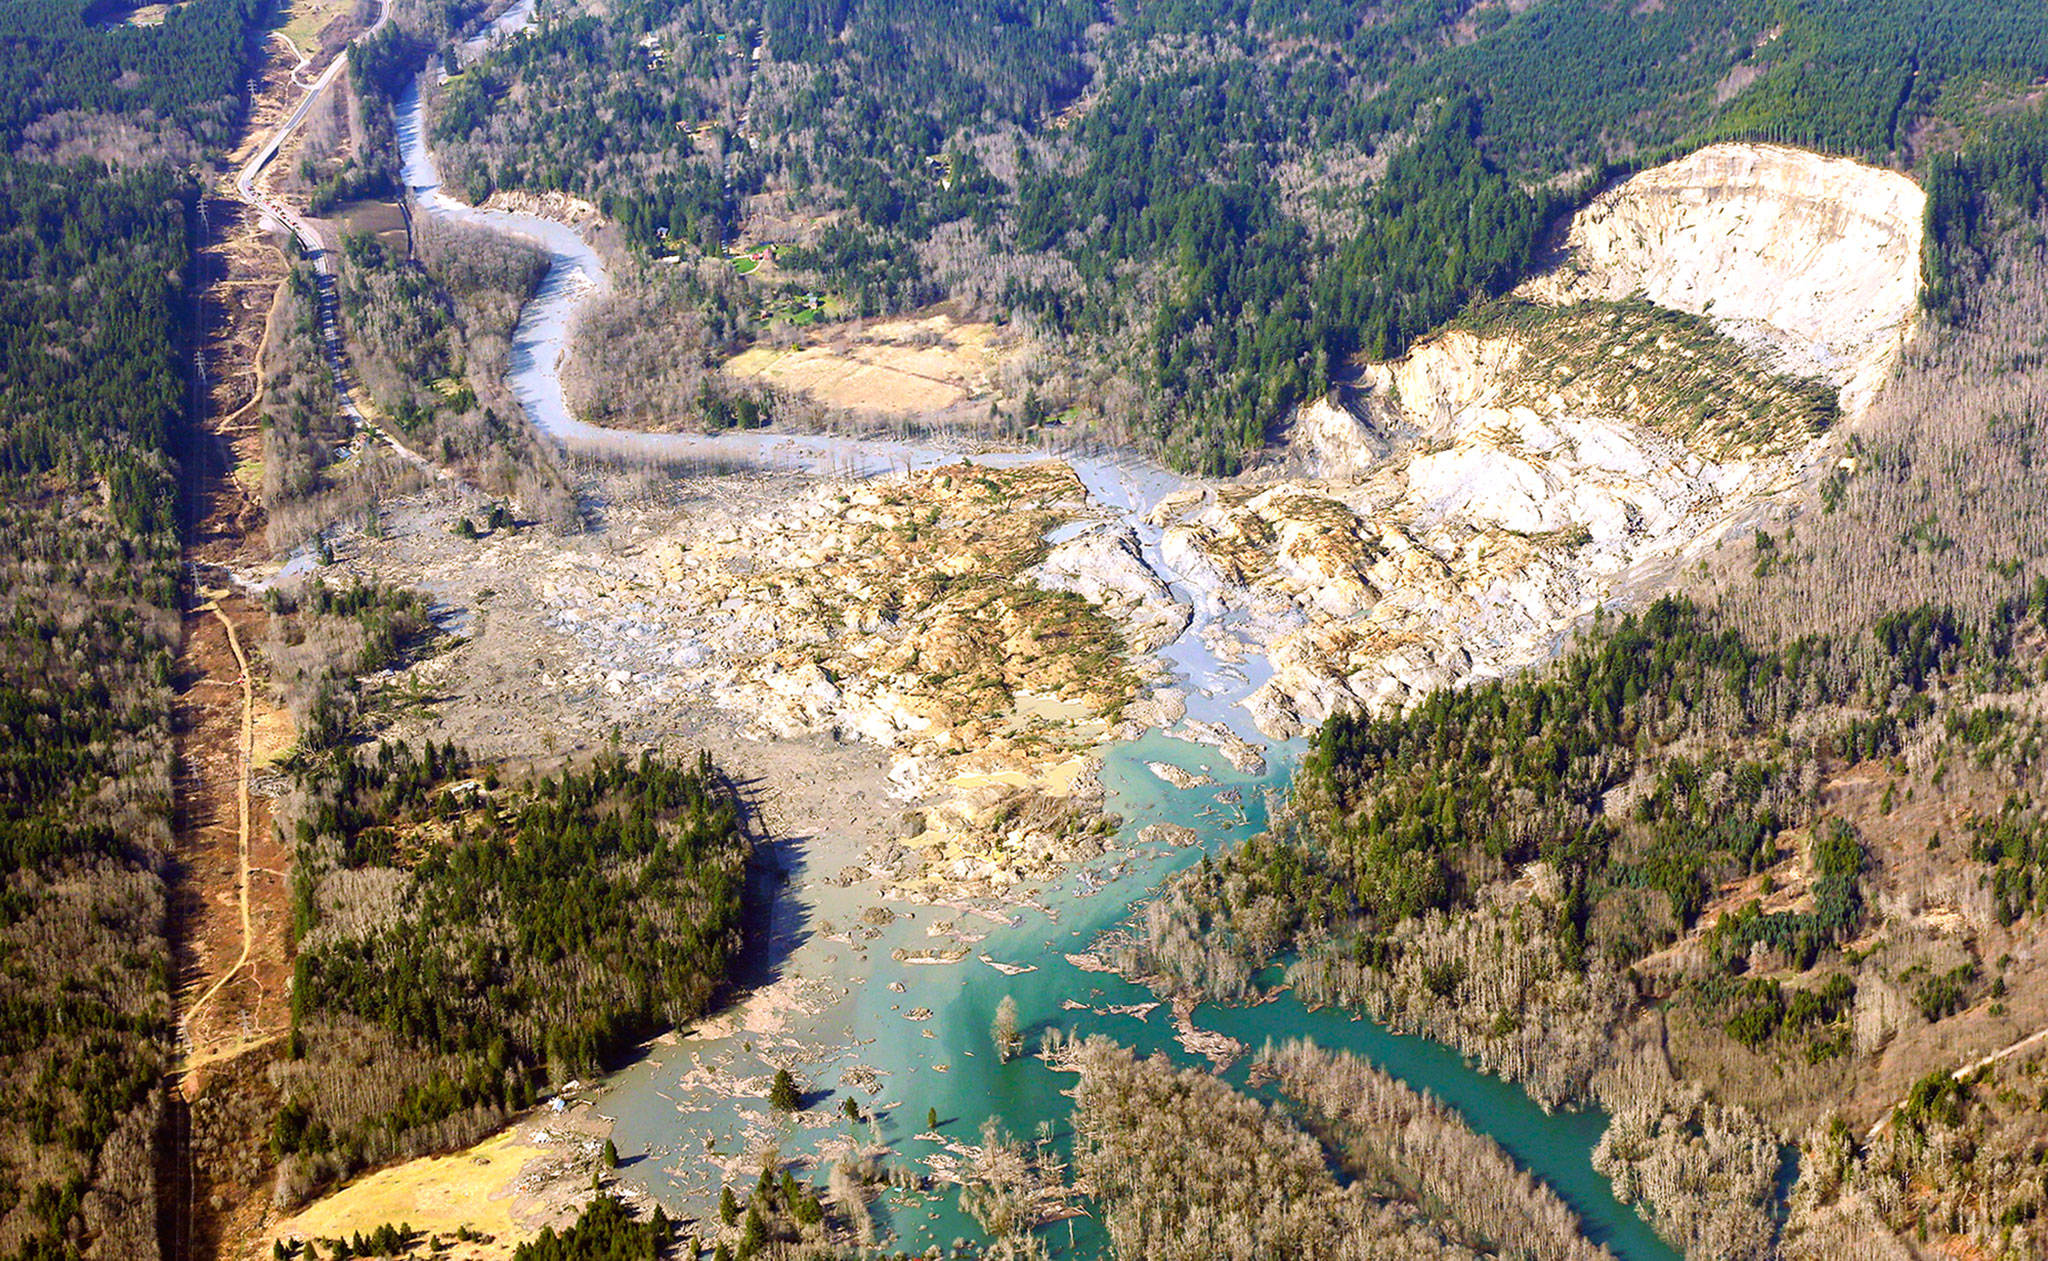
(847, 1005)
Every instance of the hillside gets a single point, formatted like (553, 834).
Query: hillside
(1746, 872)
(1197, 213)
(90, 563)
(1814, 262)
(1472, 500)
(97, 225)
(1516, 522)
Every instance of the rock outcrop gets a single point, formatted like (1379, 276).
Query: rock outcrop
(1327, 439)
(904, 613)
(1106, 567)
(1449, 518)
(926, 614)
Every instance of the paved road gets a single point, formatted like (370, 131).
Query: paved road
(315, 247)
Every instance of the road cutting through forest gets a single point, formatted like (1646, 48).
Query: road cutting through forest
(248, 744)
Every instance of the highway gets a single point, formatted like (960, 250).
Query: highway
(315, 247)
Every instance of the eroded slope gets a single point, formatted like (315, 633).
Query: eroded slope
(1815, 258)
(1711, 321)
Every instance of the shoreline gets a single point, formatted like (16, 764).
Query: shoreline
(840, 995)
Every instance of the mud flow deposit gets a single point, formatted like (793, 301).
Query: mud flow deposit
(1027, 641)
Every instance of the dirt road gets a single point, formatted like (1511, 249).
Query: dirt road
(242, 811)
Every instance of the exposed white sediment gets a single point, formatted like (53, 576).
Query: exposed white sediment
(1456, 521)
(1815, 257)
(1451, 524)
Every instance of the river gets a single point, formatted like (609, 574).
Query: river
(846, 1005)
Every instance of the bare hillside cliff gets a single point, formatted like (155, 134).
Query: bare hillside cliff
(1814, 256)
(1709, 323)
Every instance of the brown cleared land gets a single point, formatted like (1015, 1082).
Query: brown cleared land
(230, 919)
(382, 219)
(1930, 903)
(238, 268)
(902, 367)
(535, 1173)
(320, 28)
(234, 966)
(230, 881)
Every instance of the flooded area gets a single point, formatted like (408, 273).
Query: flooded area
(889, 1003)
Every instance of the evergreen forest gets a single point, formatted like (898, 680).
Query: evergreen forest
(1217, 204)
(1700, 868)
(92, 390)
(1677, 872)
(97, 219)
(484, 941)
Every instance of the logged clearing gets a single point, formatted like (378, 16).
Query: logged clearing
(229, 887)
(230, 902)
(147, 15)
(231, 912)
(504, 1189)
(319, 27)
(892, 367)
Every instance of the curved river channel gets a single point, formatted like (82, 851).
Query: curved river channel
(696, 1100)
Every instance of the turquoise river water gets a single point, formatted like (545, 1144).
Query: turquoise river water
(849, 1015)
(955, 1072)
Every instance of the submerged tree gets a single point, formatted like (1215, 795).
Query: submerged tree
(1004, 1030)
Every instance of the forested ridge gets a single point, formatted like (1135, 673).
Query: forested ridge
(1529, 870)
(478, 940)
(92, 286)
(60, 68)
(1973, 197)
(1209, 207)
(544, 874)
(96, 221)
(1699, 869)
(1666, 757)
(91, 389)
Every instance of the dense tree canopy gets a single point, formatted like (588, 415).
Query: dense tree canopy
(522, 934)
(75, 55)
(606, 1231)
(91, 272)
(1221, 200)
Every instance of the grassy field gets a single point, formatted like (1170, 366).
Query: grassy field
(439, 1195)
(894, 367)
(249, 474)
(382, 218)
(308, 18)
